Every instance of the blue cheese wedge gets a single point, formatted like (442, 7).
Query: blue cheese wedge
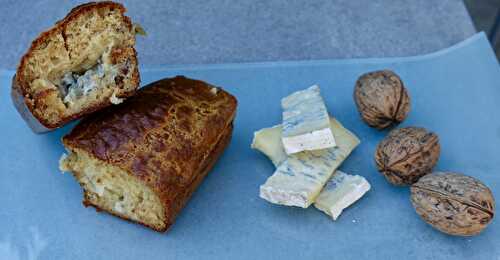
(298, 180)
(299, 177)
(306, 124)
(341, 191)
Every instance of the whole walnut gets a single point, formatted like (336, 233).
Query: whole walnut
(453, 203)
(406, 154)
(381, 99)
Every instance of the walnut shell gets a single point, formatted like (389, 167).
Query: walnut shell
(453, 203)
(381, 98)
(406, 154)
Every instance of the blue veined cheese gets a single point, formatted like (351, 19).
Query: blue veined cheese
(341, 191)
(268, 141)
(305, 122)
(80, 85)
(300, 177)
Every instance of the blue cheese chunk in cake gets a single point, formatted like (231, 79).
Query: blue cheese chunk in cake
(306, 122)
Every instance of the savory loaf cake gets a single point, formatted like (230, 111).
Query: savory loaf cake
(142, 159)
(85, 62)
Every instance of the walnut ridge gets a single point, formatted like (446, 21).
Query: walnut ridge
(453, 203)
(406, 154)
(381, 98)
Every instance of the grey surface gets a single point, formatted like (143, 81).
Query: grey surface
(483, 13)
(221, 31)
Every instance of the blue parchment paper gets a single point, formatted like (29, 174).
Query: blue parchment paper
(455, 92)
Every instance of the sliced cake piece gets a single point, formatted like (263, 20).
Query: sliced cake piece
(87, 61)
(142, 160)
(305, 122)
(300, 177)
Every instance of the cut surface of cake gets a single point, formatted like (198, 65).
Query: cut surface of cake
(85, 62)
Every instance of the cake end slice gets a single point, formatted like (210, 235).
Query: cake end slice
(111, 189)
(85, 62)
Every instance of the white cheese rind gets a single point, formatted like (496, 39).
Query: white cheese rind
(341, 191)
(306, 122)
(314, 140)
(300, 177)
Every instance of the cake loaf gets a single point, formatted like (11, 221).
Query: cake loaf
(85, 62)
(141, 160)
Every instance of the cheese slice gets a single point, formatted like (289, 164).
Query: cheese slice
(341, 191)
(268, 141)
(306, 122)
(300, 177)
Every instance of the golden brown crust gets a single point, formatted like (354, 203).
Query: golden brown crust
(22, 107)
(75, 11)
(184, 196)
(20, 84)
(165, 136)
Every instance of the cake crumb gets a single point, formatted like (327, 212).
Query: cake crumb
(115, 100)
(62, 165)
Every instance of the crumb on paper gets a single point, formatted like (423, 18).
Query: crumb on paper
(62, 165)
(137, 29)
